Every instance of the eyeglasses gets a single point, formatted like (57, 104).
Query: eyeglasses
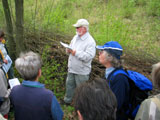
(101, 51)
(78, 27)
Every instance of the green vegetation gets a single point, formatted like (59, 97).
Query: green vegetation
(53, 73)
(133, 23)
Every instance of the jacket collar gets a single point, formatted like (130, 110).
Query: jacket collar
(32, 84)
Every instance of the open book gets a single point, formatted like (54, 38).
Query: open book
(65, 45)
(13, 82)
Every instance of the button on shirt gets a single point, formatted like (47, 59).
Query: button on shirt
(85, 47)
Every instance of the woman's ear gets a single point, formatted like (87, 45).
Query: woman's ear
(110, 58)
(79, 115)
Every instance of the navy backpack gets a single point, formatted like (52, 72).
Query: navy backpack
(139, 88)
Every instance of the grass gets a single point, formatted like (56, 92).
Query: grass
(133, 23)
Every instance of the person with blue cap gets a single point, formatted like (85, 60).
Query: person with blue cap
(109, 56)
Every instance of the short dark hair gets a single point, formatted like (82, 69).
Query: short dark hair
(1, 33)
(95, 101)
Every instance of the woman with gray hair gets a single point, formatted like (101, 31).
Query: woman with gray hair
(150, 108)
(109, 56)
(31, 100)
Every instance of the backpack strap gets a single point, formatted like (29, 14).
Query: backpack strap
(116, 72)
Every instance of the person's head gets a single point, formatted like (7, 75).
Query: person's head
(82, 26)
(95, 101)
(110, 53)
(156, 74)
(29, 66)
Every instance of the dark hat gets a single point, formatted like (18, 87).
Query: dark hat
(113, 48)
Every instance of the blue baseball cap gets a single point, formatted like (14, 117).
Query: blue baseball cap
(112, 47)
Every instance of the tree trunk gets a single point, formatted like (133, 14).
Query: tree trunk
(20, 47)
(11, 43)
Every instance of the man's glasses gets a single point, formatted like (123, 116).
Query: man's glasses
(78, 27)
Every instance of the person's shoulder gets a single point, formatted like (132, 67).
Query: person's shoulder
(90, 37)
(48, 92)
(120, 80)
(120, 76)
(17, 87)
(91, 40)
(146, 103)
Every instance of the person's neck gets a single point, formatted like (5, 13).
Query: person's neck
(108, 65)
(37, 79)
(82, 34)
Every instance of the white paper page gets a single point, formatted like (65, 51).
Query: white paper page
(13, 82)
(65, 45)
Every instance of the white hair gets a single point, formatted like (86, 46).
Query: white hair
(87, 28)
(28, 65)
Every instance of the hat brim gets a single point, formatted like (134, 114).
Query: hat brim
(76, 25)
(100, 47)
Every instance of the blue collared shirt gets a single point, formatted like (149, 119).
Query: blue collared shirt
(108, 71)
(57, 113)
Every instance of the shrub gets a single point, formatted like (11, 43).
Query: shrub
(153, 8)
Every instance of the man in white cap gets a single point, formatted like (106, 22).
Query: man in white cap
(80, 57)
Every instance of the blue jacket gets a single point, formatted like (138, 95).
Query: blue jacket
(32, 101)
(120, 86)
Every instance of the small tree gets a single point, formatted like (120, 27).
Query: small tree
(11, 42)
(20, 47)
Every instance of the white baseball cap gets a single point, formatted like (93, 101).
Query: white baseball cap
(81, 22)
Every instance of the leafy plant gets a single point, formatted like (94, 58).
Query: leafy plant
(53, 73)
(154, 7)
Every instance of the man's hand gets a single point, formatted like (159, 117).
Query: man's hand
(68, 50)
(73, 52)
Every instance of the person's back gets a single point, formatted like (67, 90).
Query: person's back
(150, 108)
(120, 86)
(31, 101)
